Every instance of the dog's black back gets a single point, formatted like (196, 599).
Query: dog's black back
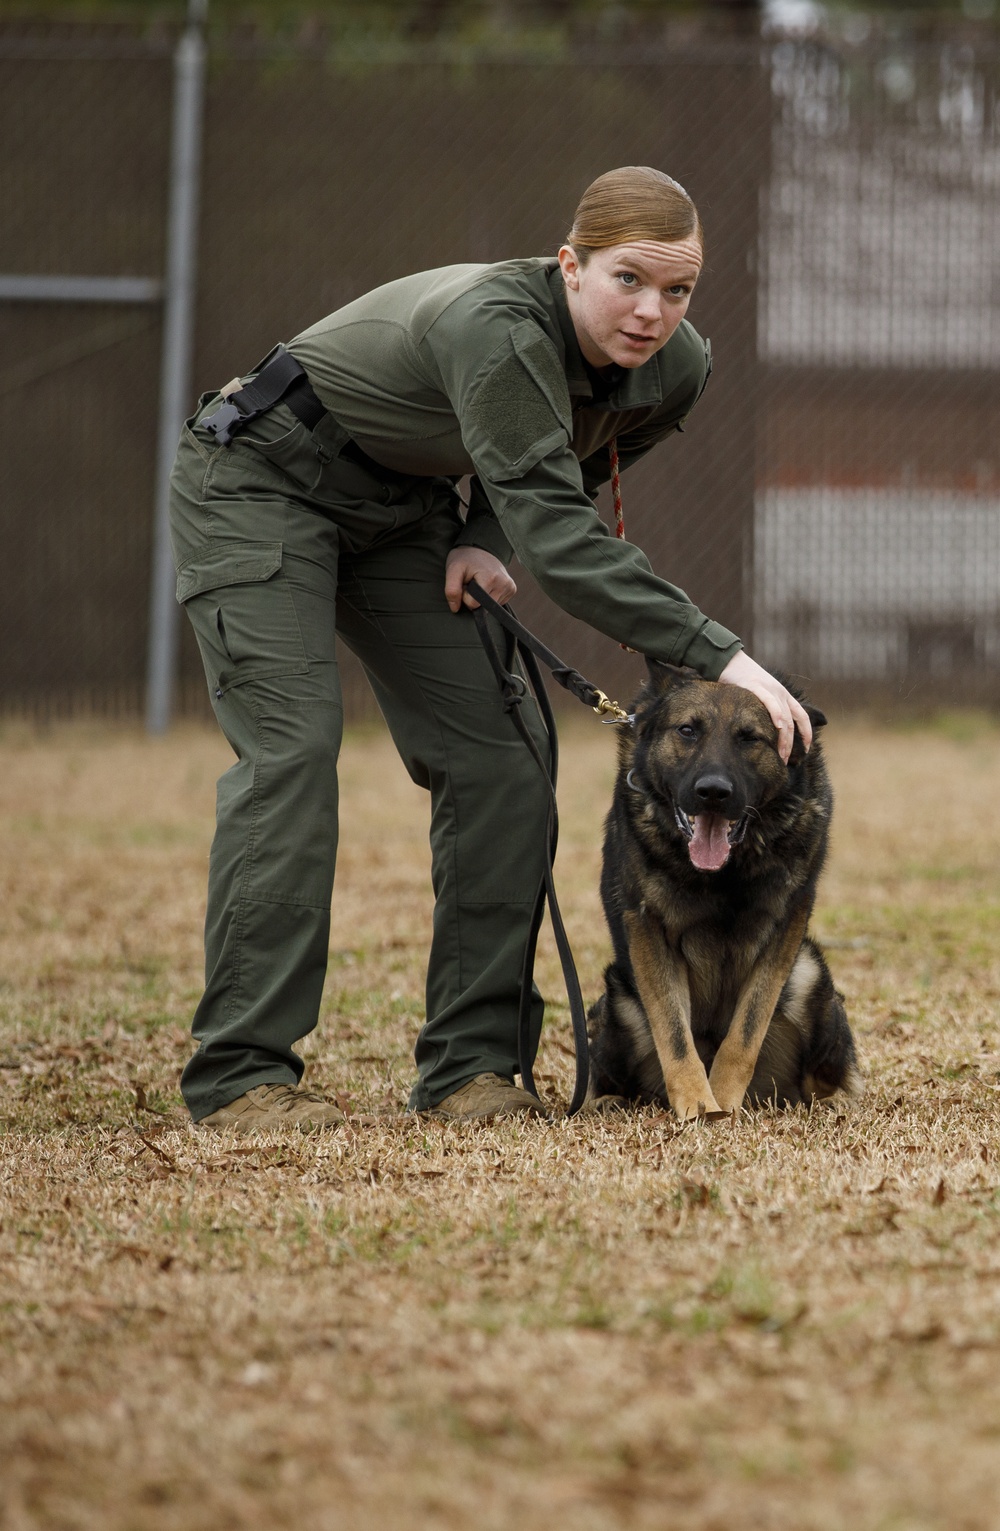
(721, 845)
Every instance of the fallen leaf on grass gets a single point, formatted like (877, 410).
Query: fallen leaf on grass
(695, 1192)
(160, 1153)
(92, 1308)
(142, 1104)
(137, 1252)
(930, 1330)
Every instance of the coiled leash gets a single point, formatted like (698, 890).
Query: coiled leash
(521, 644)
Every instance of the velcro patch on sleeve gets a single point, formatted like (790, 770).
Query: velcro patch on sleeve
(717, 635)
(519, 410)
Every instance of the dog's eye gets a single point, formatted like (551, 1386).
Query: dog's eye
(687, 731)
(747, 736)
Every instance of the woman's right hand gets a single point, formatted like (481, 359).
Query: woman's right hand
(786, 713)
(465, 563)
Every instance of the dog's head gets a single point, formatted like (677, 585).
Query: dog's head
(709, 752)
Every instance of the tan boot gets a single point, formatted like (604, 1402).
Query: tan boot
(271, 1107)
(487, 1096)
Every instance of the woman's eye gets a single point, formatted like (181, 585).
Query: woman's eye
(628, 278)
(680, 291)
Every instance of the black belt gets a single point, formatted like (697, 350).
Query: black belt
(279, 380)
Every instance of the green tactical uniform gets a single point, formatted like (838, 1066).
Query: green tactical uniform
(288, 536)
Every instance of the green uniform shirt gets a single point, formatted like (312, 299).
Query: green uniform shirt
(477, 369)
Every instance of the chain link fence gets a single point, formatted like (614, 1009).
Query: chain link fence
(834, 497)
(877, 525)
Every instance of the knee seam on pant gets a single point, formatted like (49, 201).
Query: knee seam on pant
(244, 898)
(284, 901)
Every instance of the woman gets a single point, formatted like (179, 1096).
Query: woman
(319, 497)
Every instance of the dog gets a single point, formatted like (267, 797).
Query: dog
(713, 849)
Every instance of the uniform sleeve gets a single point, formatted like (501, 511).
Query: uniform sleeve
(560, 539)
(482, 529)
(516, 421)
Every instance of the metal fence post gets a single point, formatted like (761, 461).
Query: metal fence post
(178, 335)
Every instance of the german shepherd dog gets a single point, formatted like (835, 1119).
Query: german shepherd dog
(713, 848)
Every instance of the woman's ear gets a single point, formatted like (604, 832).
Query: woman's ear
(569, 265)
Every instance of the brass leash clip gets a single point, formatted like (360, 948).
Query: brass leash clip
(609, 711)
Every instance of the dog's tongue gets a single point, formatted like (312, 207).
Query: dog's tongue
(709, 846)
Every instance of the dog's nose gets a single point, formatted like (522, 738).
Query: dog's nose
(714, 791)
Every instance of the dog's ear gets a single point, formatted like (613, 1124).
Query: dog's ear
(818, 720)
(664, 677)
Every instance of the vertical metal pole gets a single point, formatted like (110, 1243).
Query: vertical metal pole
(175, 370)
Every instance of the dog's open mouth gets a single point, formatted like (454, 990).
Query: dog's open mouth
(710, 837)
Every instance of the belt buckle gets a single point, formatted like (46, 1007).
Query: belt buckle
(221, 422)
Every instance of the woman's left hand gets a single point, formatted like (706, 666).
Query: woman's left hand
(786, 713)
(464, 564)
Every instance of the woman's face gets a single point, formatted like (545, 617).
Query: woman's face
(627, 301)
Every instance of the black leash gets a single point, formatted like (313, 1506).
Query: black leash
(520, 643)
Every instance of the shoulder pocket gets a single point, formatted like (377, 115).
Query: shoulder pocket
(519, 408)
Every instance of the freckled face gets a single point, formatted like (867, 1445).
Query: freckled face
(627, 301)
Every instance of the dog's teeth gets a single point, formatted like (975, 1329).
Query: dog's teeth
(737, 829)
(683, 822)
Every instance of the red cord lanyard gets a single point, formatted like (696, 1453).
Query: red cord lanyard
(616, 495)
(616, 487)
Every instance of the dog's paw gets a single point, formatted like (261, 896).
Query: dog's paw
(605, 1105)
(729, 1088)
(699, 1110)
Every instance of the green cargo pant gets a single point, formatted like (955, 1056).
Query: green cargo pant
(282, 539)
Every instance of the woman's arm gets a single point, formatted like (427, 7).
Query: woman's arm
(556, 532)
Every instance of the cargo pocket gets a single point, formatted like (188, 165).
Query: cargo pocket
(242, 611)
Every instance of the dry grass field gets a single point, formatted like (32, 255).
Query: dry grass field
(792, 1321)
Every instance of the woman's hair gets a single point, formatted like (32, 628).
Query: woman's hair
(635, 202)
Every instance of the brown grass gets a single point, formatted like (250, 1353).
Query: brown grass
(793, 1322)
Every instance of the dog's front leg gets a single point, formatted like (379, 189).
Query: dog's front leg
(734, 1063)
(662, 980)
